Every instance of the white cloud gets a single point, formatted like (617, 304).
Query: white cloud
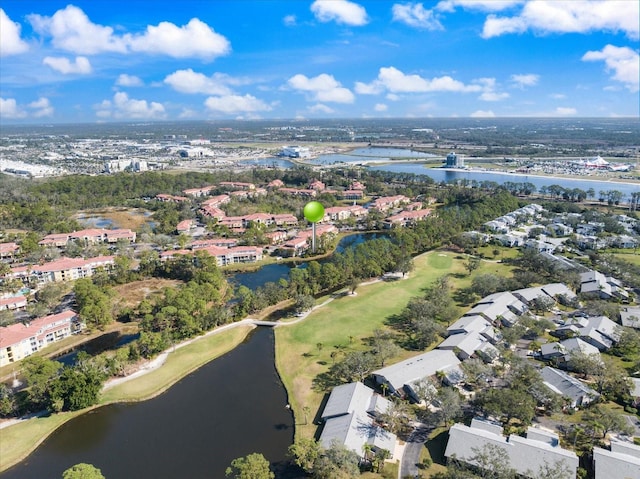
(392, 97)
(42, 107)
(415, 15)
(482, 5)
(81, 65)
(320, 108)
(368, 88)
(493, 96)
(380, 107)
(195, 39)
(236, 104)
(576, 16)
(188, 81)
(565, 111)
(10, 109)
(340, 11)
(129, 80)
(482, 114)
(124, 107)
(558, 96)
(72, 30)
(290, 20)
(324, 88)
(396, 81)
(10, 41)
(527, 79)
(622, 61)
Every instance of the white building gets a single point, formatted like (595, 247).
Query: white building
(527, 455)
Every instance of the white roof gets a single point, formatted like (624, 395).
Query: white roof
(469, 323)
(354, 397)
(354, 431)
(418, 367)
(621, 462)
(525, 454)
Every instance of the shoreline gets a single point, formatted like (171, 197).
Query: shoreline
(57, 420)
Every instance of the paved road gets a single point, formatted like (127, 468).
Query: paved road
(411, 456)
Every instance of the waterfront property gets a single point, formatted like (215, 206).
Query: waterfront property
(350, 420)
(19, 340)
(527, 455)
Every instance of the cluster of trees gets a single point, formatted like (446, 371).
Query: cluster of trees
(425, 318)
(523, 391)
(335, 462)
(55, 387)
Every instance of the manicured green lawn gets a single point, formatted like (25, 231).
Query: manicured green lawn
(629, 257)
(303, 351)
(18, 441)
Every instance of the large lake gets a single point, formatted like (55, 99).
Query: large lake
(230, 407)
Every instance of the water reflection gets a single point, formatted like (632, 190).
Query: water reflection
(230, 407)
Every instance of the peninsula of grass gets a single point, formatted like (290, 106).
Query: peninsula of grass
(19, 440)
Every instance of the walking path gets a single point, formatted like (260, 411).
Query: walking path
(159, 360)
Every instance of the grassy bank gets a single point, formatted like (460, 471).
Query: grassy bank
(18, 441)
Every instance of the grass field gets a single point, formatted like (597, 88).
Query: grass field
(18, 441)
(303, 351)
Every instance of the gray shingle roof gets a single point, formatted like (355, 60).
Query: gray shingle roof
(568, 386)
(416, 368)
(526, 455)
(351, 397)
(621, 462)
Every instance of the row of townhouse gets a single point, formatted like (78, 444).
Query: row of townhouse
(223, 256)
(351, 418)
(540, 449)
(302, 241)
(407, 218)
(8, 251)
(606, 287)
(528, 455)
(18, 341)
(386, 203)
(13, 303)
(63, 269)
(341, 213)
(89, 236)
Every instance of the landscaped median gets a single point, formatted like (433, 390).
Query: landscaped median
(19, 440)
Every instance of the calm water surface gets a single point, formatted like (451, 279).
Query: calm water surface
(230, 407)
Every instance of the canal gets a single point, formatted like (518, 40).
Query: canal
(230, 407)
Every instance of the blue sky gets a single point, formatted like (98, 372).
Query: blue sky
(91, 61)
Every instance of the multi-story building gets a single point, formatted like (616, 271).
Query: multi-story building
(64, 269)
(21, 340)
(8, 250)
(89, 236)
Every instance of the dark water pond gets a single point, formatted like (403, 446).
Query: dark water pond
(231, 407)
(276, 271)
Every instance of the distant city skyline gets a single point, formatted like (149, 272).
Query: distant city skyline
(138, 60)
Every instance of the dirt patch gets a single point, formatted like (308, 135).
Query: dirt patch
(127, 218)
(131, 294)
